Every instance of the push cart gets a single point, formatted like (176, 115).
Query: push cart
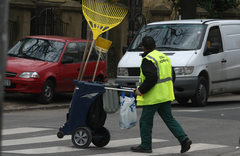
(90, 104)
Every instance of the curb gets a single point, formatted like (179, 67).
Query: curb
(36, 108)
(222, 97)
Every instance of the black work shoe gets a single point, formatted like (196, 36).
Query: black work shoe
(186, 145)
(141, 150)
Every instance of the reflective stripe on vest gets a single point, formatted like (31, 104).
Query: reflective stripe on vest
(162, 91)
(158, 72)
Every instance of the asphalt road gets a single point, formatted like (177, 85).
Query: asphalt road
(30, 128)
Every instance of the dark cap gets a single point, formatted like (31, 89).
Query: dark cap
(148, 42)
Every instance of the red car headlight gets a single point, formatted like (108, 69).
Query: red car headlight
(29, 75)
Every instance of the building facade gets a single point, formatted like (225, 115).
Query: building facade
(65, 18)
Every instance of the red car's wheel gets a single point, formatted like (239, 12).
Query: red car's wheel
(47, 92)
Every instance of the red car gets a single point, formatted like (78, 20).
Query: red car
(44, 65)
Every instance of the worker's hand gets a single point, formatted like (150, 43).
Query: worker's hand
(136, 92)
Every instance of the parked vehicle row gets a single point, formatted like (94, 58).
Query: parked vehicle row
(44, 65)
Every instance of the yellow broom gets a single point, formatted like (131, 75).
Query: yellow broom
(102, 45)
(101, 17)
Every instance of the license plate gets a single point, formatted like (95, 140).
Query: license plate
(7, 82)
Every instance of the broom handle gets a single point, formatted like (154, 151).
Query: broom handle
(84, 56)
(83, 61)
(96, 66)
(87, 59)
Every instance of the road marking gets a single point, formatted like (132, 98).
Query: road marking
(23, 130)
(71, 148)
(60, 149)
(225, 109)
(187, 111)
(166, 150)
(46, 150)
(192, 111)
(32, 140)
(127, 142)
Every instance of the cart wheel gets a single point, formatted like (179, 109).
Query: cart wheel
(60, 134)
(101, 137)
(81, 137)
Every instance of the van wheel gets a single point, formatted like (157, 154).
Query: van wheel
(46, 95)
(201, 96)
(182, 100)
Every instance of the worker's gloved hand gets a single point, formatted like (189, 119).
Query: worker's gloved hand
(136, 92)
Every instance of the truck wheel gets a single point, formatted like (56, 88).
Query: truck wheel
(182, 100)
(47, 92)
(201, 96)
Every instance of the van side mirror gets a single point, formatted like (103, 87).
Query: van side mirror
(214, 49)
(124, 49)
(66, 59)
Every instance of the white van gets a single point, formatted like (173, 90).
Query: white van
(205, 55)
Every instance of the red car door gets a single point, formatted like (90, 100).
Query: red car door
(69, 71)
(91, 64)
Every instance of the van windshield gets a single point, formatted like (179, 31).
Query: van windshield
(171, 37)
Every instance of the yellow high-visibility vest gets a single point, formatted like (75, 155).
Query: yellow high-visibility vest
(162, 91)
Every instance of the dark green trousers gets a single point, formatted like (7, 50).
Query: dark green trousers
(146, 123)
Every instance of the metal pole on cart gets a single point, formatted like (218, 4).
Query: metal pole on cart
(120, 89)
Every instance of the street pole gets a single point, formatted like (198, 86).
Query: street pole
(3, 53)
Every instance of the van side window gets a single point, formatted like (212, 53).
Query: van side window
(73, 52)
(214, 36)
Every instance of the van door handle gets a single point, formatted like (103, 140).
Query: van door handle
(224, 61)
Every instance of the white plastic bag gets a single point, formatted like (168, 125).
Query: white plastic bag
(128, 112)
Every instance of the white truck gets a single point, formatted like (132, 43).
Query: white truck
(205, 55)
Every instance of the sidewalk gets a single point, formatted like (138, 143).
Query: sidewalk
(11, 106)
(21, 102)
